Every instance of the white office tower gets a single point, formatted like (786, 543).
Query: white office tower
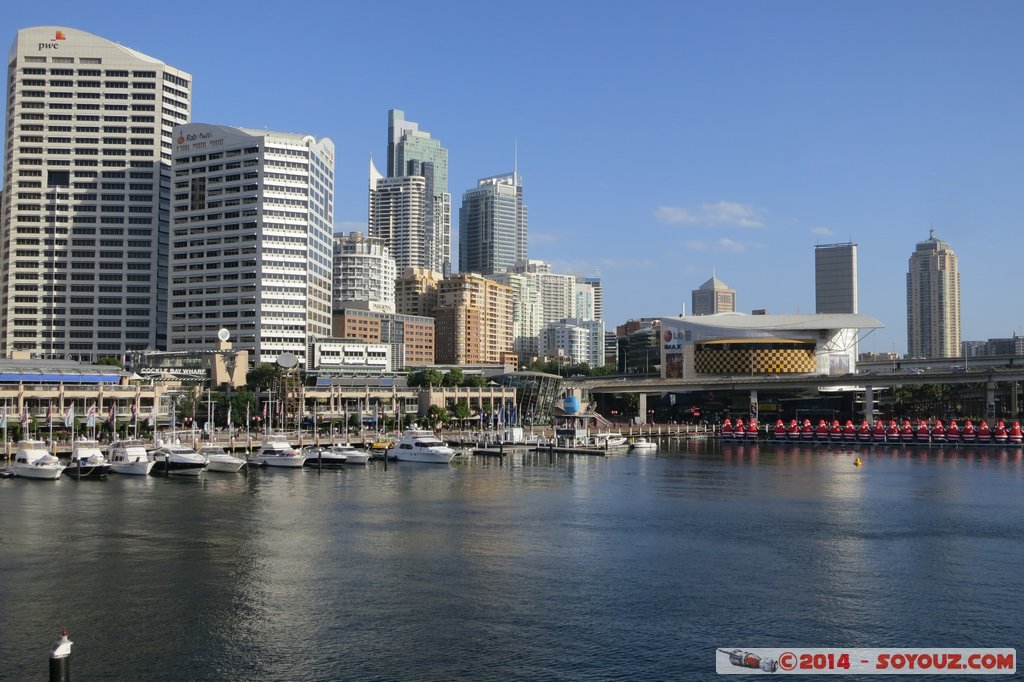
(252, 240)
(574, 341)
(364, 271)
(87, 182)
(557, 292)
(397, 216)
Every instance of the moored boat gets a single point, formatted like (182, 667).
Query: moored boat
(87, 461)
(999, 434)
(984, 433)
(1015, 436)
(276, 451)
(421, 445)
(217, 459)
(179, 460)
(32, 460)
(779, 433)
(129, 456)
(643, 444)
(324, 456)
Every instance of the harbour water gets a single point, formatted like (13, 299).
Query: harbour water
(536, 568)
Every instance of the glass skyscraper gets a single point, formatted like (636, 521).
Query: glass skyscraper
(493, 226)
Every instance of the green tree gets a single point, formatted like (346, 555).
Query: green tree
(462, 410)
(110, 361)
(454, 377)
(263, 376)
(475, 381)
(436, 416)
(414, 379)
(432, 377)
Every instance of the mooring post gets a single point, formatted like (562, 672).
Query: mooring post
(60, 658)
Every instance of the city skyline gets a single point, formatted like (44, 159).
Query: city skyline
(789, 127)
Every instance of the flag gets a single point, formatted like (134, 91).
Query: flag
(92, 416)
(69, 419)
(247, 416)
(25, 419)
(3, 418)
(501, 415)
(513, 414)
(229, 416)
(112, 413)
(264, 412)
(151, 421)
(49, 415)
(135, 412)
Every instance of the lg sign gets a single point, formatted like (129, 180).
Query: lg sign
(54, 43)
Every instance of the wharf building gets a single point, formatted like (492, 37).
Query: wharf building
(421, 234)
(85, 211)
(493, 225)
(363, 271)
(835, 278)
(933, 300)
(252, 240)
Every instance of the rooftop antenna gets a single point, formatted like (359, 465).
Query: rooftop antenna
(515, 164)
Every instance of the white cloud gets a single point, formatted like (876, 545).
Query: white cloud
(721, 213)
(822, 231)
(723, 245)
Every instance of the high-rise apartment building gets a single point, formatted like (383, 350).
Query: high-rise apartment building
(397, 217)
(557, 292)
(527, 313)
(595, 285)
(87, 178)
(835, 278)
(574, 341)
(416, 291)
(473, 321)
(363, 271)
(413, 153)
(714, 296)
(493, 225)
(251, 240)
(933, 301)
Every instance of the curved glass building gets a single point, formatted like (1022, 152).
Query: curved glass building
(536, 394)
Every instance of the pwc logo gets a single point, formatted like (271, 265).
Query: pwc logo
(53, 43)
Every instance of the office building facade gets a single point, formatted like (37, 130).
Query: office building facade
(87, 177)
(714, 296)
(493, 226)
(933, 301)
(835, 278)
(410, 337)
(252, 240)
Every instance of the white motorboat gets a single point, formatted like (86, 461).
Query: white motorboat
(278, 452)
(352, 456)
(177, 459)
(219, 460)
(87, 460)
(32, 460)
(643, 444)
(327, 457)
(609, 440)
(421, 445)
(130, 457)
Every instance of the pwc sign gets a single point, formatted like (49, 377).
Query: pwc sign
(53, 43)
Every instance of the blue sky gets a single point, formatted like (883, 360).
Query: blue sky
(658, 141)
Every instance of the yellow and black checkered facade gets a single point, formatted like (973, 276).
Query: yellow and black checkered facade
(754, 356)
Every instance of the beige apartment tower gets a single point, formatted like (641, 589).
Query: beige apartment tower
(474, 323)
(933, 301)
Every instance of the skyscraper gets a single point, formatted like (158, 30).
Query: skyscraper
(492, 225)
(87, 171)
(397, 217)
(714, 296)
(835, 278)
(412, 152)
(252, 245)
(933, 301)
